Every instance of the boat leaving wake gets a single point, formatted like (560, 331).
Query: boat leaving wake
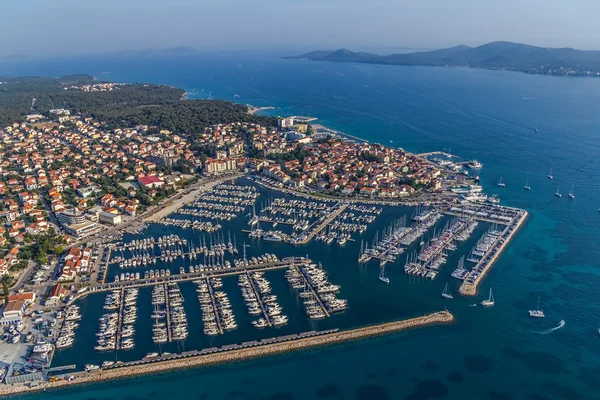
(547, 331)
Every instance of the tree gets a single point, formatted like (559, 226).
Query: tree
(5, 279)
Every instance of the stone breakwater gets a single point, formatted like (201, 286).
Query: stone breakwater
(441, 317)
(471, 289)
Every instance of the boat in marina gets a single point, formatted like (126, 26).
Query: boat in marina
(474, 164)
(446, 293)
(490, 300)
(537, 313)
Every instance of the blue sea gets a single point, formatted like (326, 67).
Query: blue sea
(495, 353)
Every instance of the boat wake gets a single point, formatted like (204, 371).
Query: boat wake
(547, 331)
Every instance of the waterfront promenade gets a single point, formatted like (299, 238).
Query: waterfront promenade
(230, 353)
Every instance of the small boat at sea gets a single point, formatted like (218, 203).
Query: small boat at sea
(558, 194)
(550, 176)
(527, 187)
(382, 276)
(501, 183)
(446, 293)
(537, 313)
(571, 194)
(490, 301)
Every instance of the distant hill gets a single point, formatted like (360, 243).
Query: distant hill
(495, 55)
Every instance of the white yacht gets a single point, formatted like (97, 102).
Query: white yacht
(490, 301)
(537, 313)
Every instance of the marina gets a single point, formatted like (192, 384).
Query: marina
(170, 289)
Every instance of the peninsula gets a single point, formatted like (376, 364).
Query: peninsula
(495, 55)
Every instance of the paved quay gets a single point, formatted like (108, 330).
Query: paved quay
(470, 289)
(230, 353)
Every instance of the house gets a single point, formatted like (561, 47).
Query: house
(367, 191)
(150, 182)
(56, 295)
(13, 311)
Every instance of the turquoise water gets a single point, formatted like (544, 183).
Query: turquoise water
(496, 353)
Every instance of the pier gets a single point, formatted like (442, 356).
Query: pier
(259, 298)
(315, 231)
(285, 263)
(211, 293)
(168, 312)
(315, 294)
(469, 286)
(120, 319)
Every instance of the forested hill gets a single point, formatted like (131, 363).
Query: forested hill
(123, 106)
(495, 55)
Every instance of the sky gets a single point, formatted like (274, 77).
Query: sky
(60, 27)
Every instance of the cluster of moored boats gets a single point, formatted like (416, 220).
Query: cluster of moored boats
(316, 290)
(365, 209)
(159, 328)
(205, 226)
(66, 335)
(208, 214)
(177, 325)
(256, 291)
(117, 327)
(389, 246)
(217, 315)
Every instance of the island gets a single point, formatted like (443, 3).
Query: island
(495, 55)
(172, 222)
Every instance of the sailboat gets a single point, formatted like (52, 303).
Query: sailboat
(446, 293)
(571, 195)
(537, 313)
(527, 187)
(382, 276)
(500, 183)
(490, 301)
(557, 194)
(550, 176)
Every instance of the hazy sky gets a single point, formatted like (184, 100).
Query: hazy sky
(73, 26)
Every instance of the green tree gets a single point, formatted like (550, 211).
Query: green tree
(5, 279)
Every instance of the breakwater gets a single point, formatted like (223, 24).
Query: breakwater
(470, 289)
(234, 352)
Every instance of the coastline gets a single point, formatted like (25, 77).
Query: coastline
(436, 318)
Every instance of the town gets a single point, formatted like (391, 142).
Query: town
(76, 191)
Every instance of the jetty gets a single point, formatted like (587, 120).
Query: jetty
(168, 313)
(208, 273)
(234, 352)
(314, 292)
(319, 225)
(258, 295)
(469, 285)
